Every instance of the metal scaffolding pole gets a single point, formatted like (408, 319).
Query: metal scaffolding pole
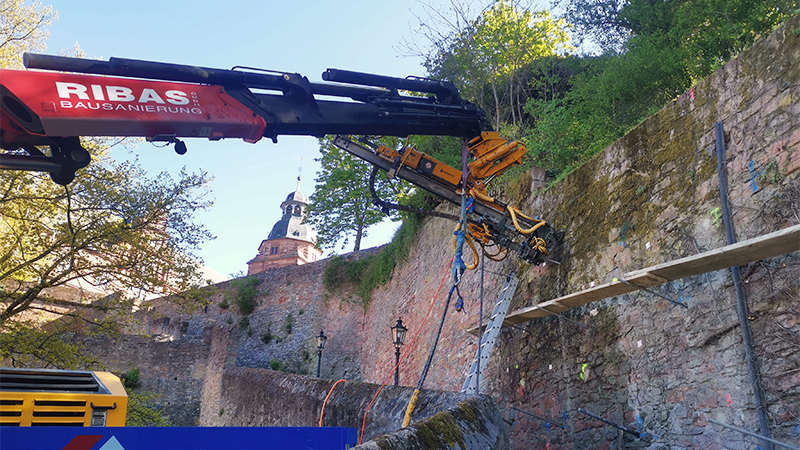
(741, 297)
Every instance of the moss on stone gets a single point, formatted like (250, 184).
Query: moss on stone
(440, 431)
(519, 190)
(384, 443)
(469, 411)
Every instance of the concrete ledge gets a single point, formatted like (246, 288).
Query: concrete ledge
(474, 424)
(266, 398)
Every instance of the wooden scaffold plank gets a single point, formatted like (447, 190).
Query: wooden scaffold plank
(769, 245)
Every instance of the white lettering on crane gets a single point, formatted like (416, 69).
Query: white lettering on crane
(97, 92)
(67, 104)
(150, 95)
(120, 94)
(67, 89)
(130, 99)
(177, 97)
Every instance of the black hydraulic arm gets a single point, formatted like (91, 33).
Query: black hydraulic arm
(360, 103)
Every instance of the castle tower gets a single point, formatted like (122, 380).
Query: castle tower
(291, 242)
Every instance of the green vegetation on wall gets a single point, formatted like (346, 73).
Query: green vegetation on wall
(568, 106)
(242, 292)
(143, 410)
(287, 325)
(368, 273)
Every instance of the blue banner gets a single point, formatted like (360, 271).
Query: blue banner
(177, 438)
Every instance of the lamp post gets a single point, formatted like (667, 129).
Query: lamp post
(320, 346)
(398, 336)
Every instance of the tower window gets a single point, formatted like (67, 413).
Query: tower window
(273, 251)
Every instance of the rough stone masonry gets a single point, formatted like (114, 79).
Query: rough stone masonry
(636, 360)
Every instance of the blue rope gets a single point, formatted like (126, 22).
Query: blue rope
(470, 205)
(458, 262)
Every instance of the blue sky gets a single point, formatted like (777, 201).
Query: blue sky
(306, 37)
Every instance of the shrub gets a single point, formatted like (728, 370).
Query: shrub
(246, 297)
(130, 379)
(243, 292)
(267, 337)
(288, 325)
(144, 411)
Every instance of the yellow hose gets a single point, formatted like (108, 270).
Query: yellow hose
(481, 196)
(474, 254)
(514, 211)
(412, 405)
(540, 245)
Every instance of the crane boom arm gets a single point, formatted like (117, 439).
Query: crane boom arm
(169, 102)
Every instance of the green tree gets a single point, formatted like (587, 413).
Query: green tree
(341, 205)
(484, 57)
(654, 51)
(22, 29)
(508, 39)
(710, 31)
(114, 229)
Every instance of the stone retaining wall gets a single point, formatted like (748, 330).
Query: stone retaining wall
(636, 359)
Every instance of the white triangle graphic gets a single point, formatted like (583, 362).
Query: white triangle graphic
(112, 444)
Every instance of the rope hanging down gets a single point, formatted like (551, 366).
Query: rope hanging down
(412, 404)
(461, 229)
(458, 270)
(408, 348)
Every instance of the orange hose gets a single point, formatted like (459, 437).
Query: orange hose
(430, 308)
(321, 413)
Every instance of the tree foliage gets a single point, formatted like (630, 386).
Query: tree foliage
(63, 249)
(707, 31)
(143, 411)
(485, 55)
(341, 206)
(654, 51)
(112, 230)
(568, 107)
(22, 29)
(24, 345)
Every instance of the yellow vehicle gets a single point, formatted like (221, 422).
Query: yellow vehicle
(41, 397)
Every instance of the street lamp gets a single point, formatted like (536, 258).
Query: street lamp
(398, 337)
(320, 345)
